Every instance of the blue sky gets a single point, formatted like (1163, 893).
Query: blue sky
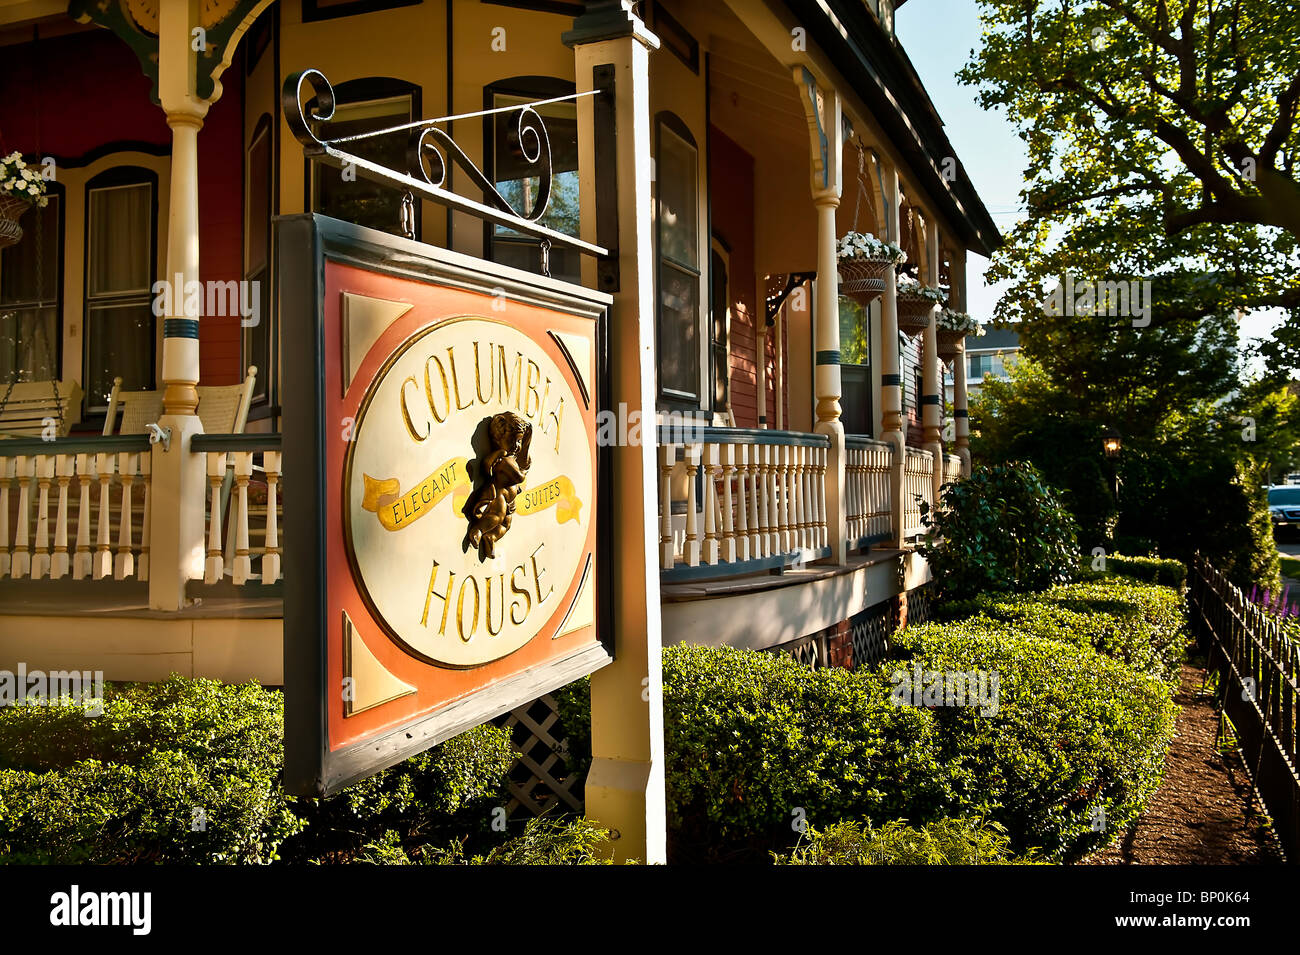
(939, 36)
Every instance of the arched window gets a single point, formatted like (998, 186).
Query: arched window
(121, 252)
(507, 168)
(677, 250)
(362, 106)
(31, 295)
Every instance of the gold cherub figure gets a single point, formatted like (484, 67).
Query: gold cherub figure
(491, 508)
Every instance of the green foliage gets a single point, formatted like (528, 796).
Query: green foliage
(1153, 570)
(941, 842)
(183, 771)
(444, 792)
(543, 842)
(1162, 139)
(1077, 737)
(1139, 625)
(189, 771)
(1001, 529)
(753, 737)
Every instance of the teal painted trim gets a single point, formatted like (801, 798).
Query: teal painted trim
(891, 380)
(672, 434)
(778, 562)
(961, 413)
(105, 444)
(181, 328)
(828, 357)
(235, 442)
(930, 400)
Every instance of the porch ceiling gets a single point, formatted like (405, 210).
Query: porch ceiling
(753, 97)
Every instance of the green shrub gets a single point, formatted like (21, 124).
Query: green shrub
(1001, 529)
(1152, 570)
(756, 742)
(942, 842)
(444, 792)
(543, 842)
(189, 771)
(1142, 626)
(1075, 749)
(183, 771)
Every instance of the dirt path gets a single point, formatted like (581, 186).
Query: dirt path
(1201, 814)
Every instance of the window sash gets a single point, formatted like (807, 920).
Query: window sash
(112, 249)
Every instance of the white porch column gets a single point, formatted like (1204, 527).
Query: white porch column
(931, 380)
(822, 107)
(625, 786)
(760, 349)
(891, 380)
(177, 500)
(961, 417)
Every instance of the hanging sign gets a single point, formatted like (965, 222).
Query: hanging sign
(441, 489)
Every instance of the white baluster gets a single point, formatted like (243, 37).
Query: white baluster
(59, 565)
(711, 468)
(742, 501)
(44, 467)
(104, 552)
(271, 559)
(242, 569)
(728, 514)
(81, 563)
(214, 567)
(667, 459)
(6, 475)
(124, 565)
(691, 549)
(22, 562)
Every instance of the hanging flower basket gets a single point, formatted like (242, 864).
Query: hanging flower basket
(951, 329)
(11, 210)
(915, 302)
(20, 186)
(864, 261)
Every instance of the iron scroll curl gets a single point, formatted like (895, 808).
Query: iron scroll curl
(308, 100)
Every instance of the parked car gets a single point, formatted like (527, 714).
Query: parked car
(1284, 506)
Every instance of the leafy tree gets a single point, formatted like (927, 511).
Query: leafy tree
(1162, 138)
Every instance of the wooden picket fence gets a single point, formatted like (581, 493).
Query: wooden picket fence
(1257, 665)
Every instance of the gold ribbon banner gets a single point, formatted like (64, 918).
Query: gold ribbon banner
(396, 509)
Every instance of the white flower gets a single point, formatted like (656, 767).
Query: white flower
(22, 186)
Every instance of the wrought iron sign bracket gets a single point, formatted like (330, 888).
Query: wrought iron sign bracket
(430, 151)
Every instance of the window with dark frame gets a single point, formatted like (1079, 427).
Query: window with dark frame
(510, 171)
(363, 106)
(678, 270)
(258, 341)
(720, 312)
(121, 244)
(31, 296)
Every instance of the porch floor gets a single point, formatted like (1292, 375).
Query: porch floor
(758, 583)
(130, 598)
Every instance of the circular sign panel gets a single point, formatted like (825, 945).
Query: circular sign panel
(469, 488)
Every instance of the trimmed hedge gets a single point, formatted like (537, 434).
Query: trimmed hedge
(942, 842)
(757, 742)
(189, 771)
(1140, 625)
(543, 842)
(1078, 740)
(1152, 570)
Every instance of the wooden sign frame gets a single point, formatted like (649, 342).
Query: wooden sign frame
(328, 743)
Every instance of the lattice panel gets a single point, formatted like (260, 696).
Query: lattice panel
(541, 780)
(870, 632)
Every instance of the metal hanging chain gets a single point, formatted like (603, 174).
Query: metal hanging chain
(408, 215)
(862, 166)
(546, 257)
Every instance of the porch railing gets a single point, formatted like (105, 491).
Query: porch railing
(951, 468)
(733, 500)
(918, 482)
(75, 507)
(243, 470)
(867, 486)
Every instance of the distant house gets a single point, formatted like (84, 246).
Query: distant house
(993, 353)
